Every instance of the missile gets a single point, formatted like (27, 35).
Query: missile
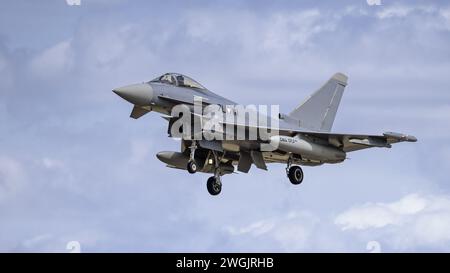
(308, 149)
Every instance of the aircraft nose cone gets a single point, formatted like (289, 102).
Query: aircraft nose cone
(138, 94)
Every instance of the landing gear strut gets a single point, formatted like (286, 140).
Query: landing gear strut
(192, 165)
(294, 173)
(214, 185)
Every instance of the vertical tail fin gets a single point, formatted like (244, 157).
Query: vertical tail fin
(319, 110)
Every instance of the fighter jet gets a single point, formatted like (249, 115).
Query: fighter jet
(303, 136)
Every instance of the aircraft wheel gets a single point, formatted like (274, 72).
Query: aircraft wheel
(214, 185)
(192, 167)
(295, 175)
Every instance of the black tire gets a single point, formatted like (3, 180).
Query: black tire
(214, 186)
(295, 175)
(192, 167)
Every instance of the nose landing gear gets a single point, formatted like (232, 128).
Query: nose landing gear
(192, 165)
(214, 185)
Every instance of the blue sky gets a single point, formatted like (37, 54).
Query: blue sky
(74, 166)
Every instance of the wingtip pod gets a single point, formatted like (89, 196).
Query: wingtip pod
(410, 138)
(341, 78)
(401, 137)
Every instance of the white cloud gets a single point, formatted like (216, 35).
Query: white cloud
(255, 229)
(140, 150)
(290, 232)
(277, 31)
(394, 11)
(107, 46)
(62, 240)
(380, 214)
(355, 11)
(413, 221)
(401, 11)
(50, 163)
(53, 61)
(11, 177)
(36, 241)
(295, 29)
(6, 75)
(445, 15)
(428, 16)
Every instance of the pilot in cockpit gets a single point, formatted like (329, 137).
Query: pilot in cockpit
(180, 80)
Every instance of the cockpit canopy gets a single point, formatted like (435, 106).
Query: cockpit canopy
(178, 80)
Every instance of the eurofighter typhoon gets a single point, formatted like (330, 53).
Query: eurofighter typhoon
(217, 134)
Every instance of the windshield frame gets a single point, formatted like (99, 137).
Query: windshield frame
(188, 82)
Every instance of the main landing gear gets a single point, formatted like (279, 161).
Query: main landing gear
(294, 173)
